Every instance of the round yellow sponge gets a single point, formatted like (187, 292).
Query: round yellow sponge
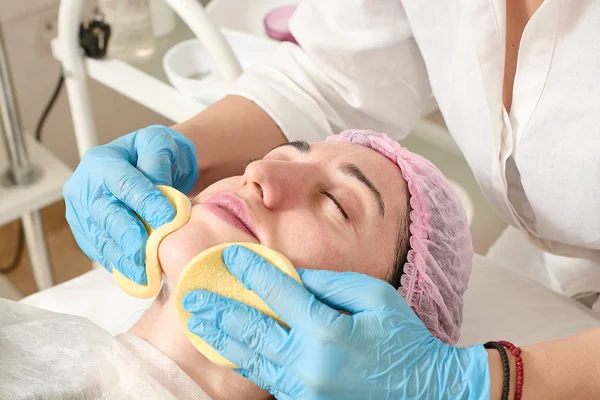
(183, 207)
(207, 271)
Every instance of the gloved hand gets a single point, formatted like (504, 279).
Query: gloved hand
(381, 351)
(116, 180)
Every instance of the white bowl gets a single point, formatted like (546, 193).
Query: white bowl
(191, 70)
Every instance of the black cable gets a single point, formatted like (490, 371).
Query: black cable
(19, 253)
(38, 136)
(42, 120)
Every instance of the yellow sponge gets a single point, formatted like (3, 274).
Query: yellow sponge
(207, 271)
(183, 207)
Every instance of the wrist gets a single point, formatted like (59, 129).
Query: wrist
(497, 374)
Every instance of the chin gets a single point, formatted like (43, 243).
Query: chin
(180, 247)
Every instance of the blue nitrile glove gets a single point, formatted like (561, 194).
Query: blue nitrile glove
(382, 351)
(116, 180)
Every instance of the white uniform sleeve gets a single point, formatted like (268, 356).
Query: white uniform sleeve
(358, 66)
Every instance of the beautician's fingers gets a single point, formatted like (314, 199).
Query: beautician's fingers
(112, 257)
(351, 291)
(132, 187)
(122, 225)
(286, 297)
(261, 333)
(156, 153)
(102, 248)
(167, 158)
(81, 232)
(236, 351)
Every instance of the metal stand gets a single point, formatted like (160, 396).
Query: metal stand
(21, 173)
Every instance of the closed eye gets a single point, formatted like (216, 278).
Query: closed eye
(337, 204)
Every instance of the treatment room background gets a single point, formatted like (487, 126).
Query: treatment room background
(28, 27)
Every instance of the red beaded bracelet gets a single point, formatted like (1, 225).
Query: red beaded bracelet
(516, 352)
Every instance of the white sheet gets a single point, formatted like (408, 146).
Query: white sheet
(573, 277)
(46, 355)
(499, 305)
(95, 296)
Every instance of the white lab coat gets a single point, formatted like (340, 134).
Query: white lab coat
(376, 63)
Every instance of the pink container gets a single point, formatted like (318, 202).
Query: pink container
(277, 24)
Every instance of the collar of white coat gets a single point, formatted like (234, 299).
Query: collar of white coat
(488, 27)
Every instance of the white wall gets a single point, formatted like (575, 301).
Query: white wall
(10, 9)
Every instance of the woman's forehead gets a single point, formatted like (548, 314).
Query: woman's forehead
(364, 157)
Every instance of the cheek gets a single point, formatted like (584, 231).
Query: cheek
(178, 249)
(378, 252)
(311, 243)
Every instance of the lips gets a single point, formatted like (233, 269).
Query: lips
(232, 210)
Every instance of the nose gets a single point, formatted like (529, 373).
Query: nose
(281, 184)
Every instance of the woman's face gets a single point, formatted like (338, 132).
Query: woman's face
(334, 206)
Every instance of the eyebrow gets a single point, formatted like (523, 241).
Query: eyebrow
(355, 172)
(301, 145)
(349, 169)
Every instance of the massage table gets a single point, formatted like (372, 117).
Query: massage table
(500, 304)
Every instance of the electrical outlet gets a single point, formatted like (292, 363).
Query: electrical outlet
(49, 31)
(46, 23)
